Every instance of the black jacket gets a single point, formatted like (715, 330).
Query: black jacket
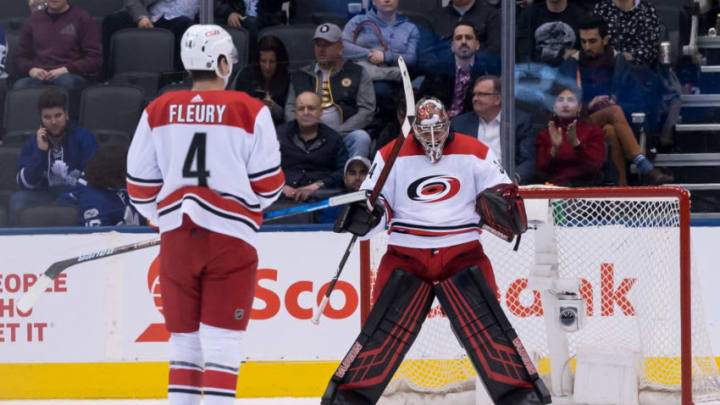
(440, 80)
(304, 163)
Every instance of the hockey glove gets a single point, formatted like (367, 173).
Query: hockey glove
(502, 211)
(356, 219)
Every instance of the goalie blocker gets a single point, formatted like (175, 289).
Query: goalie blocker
(478, 321)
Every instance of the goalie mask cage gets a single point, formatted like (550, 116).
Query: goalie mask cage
(630, 247)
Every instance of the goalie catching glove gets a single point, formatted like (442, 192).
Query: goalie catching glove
(502, 211)
(357, 219)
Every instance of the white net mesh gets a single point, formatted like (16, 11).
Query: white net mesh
(627, 253)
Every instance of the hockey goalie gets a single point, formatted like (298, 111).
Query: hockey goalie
(443, 189)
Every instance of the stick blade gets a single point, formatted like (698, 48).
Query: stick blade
(28, 300)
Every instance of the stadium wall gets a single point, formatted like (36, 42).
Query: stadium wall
(98, 331)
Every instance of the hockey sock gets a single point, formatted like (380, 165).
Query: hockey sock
(185, 380)
(222, 351)
(642, 163)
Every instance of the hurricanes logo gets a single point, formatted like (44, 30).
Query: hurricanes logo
(432, 189)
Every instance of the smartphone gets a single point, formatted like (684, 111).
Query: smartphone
(258, 93)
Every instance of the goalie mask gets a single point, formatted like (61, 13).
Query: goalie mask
(202, 46)
(432, 127)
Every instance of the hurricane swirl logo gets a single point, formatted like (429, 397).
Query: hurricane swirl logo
(432, 189)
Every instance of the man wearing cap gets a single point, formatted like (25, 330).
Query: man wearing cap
(356, 169)
(345, 89)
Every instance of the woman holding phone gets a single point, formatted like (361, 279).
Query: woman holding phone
(268, 80)
(570, 151)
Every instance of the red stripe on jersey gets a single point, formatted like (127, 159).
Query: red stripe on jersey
(138, 192)
(268, 184)
(184, 376)
(240, 109)
(419, 232)
(219, 379)
(461, 145)
(213, 199)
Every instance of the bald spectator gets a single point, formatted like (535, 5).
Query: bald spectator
(346, 90)
(59, 46)
(313, 154)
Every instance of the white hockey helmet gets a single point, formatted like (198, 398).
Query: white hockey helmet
(432, 127)
(202, 45)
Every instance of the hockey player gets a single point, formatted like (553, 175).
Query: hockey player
(202, 165)
(432, 202)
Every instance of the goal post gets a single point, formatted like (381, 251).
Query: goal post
(629, 248)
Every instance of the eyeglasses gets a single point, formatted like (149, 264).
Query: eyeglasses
(480, 93)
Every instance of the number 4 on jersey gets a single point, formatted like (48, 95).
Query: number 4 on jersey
(196, 153)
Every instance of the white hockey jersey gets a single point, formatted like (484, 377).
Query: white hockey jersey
(433, 205)
(212, 155)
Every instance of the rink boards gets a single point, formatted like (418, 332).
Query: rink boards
(98, 331)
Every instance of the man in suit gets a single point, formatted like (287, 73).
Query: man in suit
(484, 123)
(450, 80)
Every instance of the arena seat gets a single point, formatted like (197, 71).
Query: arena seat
(319, 11)
(99, 8)
(241, 39)
(297, 40)
(422, 7)
(12, 14)
(111, 122)
(141, 57)
(9, 157)
(48, 215)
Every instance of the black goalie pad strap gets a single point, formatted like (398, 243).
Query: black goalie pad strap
(489, 340)
(390, 329)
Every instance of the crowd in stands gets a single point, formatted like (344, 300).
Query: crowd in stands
(333, 112)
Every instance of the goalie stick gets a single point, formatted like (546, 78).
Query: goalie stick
(29, 299)
(406, 128)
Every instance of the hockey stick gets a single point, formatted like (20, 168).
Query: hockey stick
(29, 299)
(31, 296)
(319, 205)
(406, 128)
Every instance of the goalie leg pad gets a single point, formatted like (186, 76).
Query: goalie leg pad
(390, 329)
(490, 341)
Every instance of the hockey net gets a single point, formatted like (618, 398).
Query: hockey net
(631, 249)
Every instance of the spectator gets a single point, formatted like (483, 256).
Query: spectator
(313, 154)
(268, 79)
(452, 81)
(546, 31)
(58, 46)
(271, 12)
(348, 100)
(634, 28)
(608, 82)
(484, 124)
(173, 15)
(3, 76)
(241, 13)
(570, 152)
(477, 13)
(376, 40)
(52, 161)
(392, 128)
(356, 170)
(102, 196)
